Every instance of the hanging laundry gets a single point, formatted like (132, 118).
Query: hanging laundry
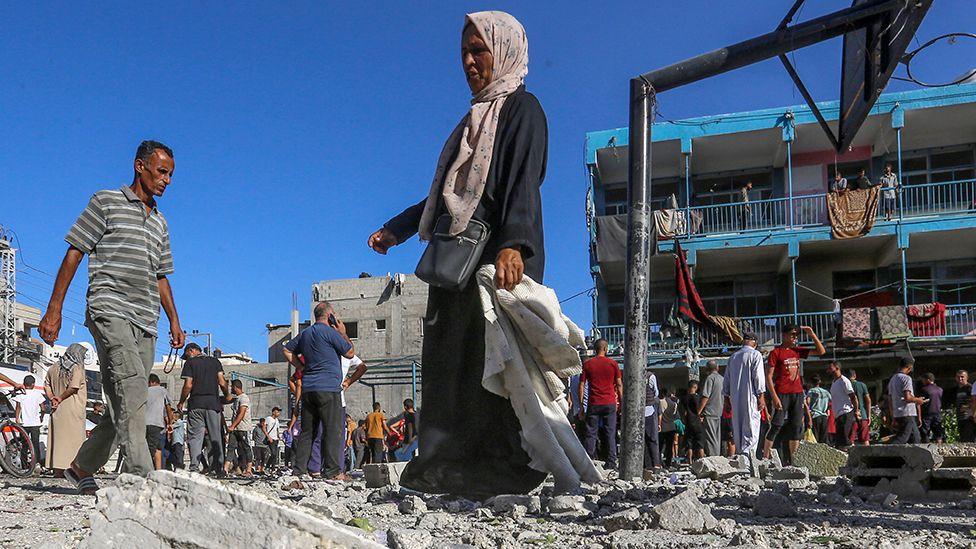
(728, 327)
(892, 322)
(852, 212)
(927, 320)
(856, 323)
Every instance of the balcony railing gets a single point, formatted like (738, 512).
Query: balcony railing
(810, 210)
(960, 323)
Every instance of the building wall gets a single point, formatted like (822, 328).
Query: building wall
(263, 397)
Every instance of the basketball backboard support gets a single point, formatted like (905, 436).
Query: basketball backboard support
(871, 54)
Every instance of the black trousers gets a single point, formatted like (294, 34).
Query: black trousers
(376, 453)
(820, 429)
(667, 446)
(243, 448)
(843, 429)
(932, 428)
(320, 407)
(652, 448)
(35, 438)
(602, 421)
(272, 453)
(175, 460)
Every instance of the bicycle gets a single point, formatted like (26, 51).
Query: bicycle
(16, 451)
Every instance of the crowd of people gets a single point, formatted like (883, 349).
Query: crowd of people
(763, 403)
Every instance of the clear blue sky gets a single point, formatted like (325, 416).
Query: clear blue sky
(299, 128)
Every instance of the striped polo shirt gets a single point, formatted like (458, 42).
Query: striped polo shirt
(128, 249)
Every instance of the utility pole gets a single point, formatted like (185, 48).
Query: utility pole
(8, 299)
(198, 333)
(880, 31)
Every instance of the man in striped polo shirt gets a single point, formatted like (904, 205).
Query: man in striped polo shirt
(127, 242)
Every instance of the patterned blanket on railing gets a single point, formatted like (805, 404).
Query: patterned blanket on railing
(927, 320)
(852, 212)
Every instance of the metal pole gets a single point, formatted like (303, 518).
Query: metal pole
(413, 382)
(899, 195)
(793, 273)
(789, 176)
(768, 45)
(688, 194)
(904, 275)
(642, 103)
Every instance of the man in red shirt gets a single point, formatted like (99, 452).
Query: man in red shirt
(601, 375)
(784, 380)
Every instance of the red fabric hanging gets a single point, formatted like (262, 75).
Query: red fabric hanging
(927, 320)
(689, 302)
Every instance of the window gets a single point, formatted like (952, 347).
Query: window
(615, 201)
(713, 189)
(352, 330)
(848, 283)
(380, 324)
(266, 382)
(936, 166)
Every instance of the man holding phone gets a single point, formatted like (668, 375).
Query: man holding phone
(321, 345)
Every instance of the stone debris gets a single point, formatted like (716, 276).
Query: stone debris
(412, 505)
(718, 467)
(383, 474)
(190, 511)
(770, 504)
(684, 513)
(402, 538)
(505, 503)
(820, 460)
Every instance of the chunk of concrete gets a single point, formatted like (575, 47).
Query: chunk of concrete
(403, 538)
(628, 519)
(819, 459)
(505, 502)
(191, 511)
(895, 456)
(770, 504)
(684, 513)
(718, 467)
(789, 473)
(383, 474)
(412, 505)
(565, 504)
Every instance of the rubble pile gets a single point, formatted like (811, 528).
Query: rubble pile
(918, 471)
(718, 502)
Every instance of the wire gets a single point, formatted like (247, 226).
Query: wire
(574, 296)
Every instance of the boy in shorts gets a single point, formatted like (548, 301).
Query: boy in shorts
(784, 380)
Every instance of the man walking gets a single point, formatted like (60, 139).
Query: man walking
(28, 414)
(744, 388)
(321, 344)
(272, 427)
(177, 443)
(843, 402)
(931, 428)
(818, 400)
(202, 377)
(376, 431)
(862, 431)
(602, 376)
(710, 409)
(904, 405)
(159, 412)
(240, 426)
(652, 423)
(127, 241)
(784, 379)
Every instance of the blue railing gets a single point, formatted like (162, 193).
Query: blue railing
(960, 323)
(810, 210)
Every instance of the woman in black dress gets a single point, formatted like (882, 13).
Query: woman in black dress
(491, 169)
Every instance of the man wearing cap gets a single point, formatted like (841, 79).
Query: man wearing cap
(744, 387)
(127, 242)
(202, 376)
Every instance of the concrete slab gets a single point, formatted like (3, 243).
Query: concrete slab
(819, 459)
(895, 456)
(383, 474)
(191, 511)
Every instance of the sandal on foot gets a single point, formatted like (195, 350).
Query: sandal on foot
(86, 485)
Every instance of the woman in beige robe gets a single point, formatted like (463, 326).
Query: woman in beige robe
(65, 387)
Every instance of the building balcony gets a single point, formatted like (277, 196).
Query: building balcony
(960, 324)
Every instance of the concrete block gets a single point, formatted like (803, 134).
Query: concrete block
(819, 459)
(895, 456)
(383, 474)
(770, 504)
(191, 511)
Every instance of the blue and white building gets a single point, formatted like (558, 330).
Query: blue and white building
(780, 263)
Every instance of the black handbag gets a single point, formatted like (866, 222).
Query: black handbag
(449, 261)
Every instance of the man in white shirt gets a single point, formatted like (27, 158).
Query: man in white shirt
(744, 387)
(347, 380)
(652, 424)
(272, 429)
(843, 401)
(28, 414)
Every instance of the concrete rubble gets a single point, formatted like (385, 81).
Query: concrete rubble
(820, 460)
(919, 471)
(761, 504)
(189, 511)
